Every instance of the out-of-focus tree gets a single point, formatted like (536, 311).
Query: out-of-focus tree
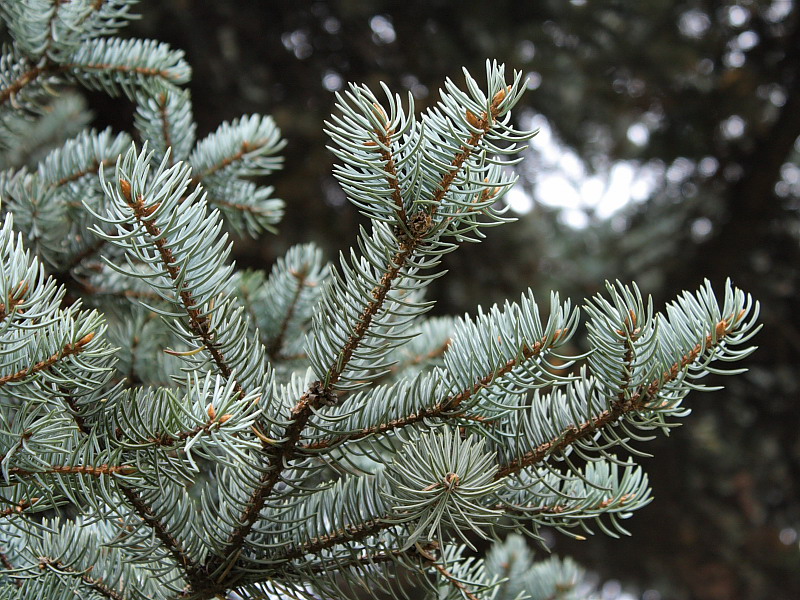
(701, 98)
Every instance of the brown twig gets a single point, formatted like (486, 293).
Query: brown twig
(9, 567)
(96, 471)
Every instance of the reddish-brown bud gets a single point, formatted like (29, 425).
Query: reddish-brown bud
(473, 120)
(125, 186)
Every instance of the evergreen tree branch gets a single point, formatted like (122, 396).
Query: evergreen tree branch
(417, 228)
(274, 348)
(90, 169)
(483, 124)
(74, 409)
(385, 138)
(96, 584)
(447, 575)
(95, 471)
(195, 574)
(81, 256)
(25, 79)
(199, 324)
(351, 533)
(420, 358)
(245, 148)
(278, 458)
(163, 114)
(119, 68)
(18, 508)
(15, 298)
(6, 562)
(640, 400)
(322, 393)
(447, 408)
(170, 440)
(67, 350)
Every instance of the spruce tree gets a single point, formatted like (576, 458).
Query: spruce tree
(175, 428)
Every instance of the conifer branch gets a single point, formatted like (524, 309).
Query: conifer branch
(89, 170)
(96, 584)
(638, 401)
(483, 124)
(447, 575)
(169, 440)
(447, 408)
(87, 252)
(426, 186)
(18, 508)
(9, 566)
(67, 350)
(421, 358)
(163, 114)
(274, 348)
(378, 294)
(95, 471)
(194, 573)
(417, 228)
(25, 79)
(126, 69)
(322, 393)
(245, 148)
(385, 139)
(15, 298)
(74, 409)
(351, 533)
(278, 458)
(199, 324)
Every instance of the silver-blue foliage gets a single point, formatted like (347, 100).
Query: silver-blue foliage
(172, 428)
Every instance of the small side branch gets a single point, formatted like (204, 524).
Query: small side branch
(8, 566)
(640, 399)
(244, 149)
(352, 533)
(447, 408)
(15, 298)
(95, 471)
(164, 116)
(279, 456)
(23, 80)
(447, 575)
(97, 584)
(199, 324)
(194, 574)
(18, 508)
(90, 170)
(274, 348)
(67, 350)
(385, 138)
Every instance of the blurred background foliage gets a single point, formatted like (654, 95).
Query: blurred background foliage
(668, 153)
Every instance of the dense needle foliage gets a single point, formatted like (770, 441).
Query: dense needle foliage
(175, 428)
